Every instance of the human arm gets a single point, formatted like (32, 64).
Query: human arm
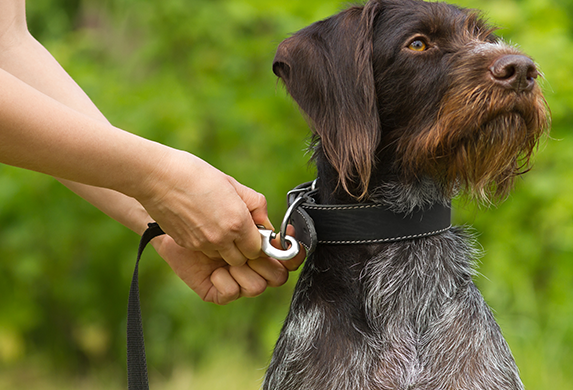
(199, 206)
(34, 83)
(48, 126)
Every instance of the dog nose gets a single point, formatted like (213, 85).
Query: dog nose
(514, 72)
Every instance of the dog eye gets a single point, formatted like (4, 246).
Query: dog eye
(418, 45)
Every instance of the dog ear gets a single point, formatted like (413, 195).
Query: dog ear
(327, 69)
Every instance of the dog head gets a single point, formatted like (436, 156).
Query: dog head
(409, 90)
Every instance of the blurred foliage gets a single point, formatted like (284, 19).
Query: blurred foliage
(195, 74)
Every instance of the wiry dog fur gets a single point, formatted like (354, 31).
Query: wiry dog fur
(410, 104)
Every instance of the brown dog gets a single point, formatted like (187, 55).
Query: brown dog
(411, 103)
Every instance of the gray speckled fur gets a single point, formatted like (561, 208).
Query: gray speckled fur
(418, 321)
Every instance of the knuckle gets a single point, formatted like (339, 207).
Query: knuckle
(261, 200)
(235, 225)
(255, 288)
(228, 294)
(280, 277)
(194, 241)
(233, 257)
(234, 262)
(214, 239)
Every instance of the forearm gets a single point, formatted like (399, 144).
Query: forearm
(41, 134)
(118, 206)
(48, 124)
(26, 59)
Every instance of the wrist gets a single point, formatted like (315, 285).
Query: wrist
(146, 174)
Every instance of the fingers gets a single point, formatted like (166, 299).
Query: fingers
(214, 213)
(233, 255)
(294, 263)
(251, 283)
(231, 283)
(271, 270)
(252, 279)
(215, 281)
(248, 244)
(246, 247)
(274, 272)
(255, 202)
(226, 288)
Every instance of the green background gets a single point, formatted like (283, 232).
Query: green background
(196, 75)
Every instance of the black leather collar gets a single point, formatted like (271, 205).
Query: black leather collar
(362, 223)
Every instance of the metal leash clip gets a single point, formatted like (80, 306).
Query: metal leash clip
(291, 251)
(290, 245)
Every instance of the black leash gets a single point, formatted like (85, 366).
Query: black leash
(137, 378)
(136, 361)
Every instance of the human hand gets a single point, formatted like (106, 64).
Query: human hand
(205, 210)
(216, 281)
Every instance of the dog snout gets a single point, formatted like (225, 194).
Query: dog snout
(514, 72)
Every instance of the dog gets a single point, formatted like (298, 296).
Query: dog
(410, 103)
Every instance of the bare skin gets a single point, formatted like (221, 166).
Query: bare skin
(49, 125)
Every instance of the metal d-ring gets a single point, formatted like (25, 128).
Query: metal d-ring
(286, 219)
(297, 202)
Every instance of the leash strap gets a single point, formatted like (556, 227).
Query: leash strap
(136, 361)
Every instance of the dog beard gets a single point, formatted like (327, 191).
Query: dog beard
(481, 140)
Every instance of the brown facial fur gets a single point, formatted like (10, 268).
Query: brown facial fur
(379, 110)
(484, 135)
